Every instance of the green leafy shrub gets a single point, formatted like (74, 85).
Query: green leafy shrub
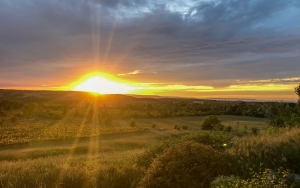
(211, 122)
(146, 158)
(226, 182)
(218, 127)
(216, 140)
(187, 164)
(263, 179)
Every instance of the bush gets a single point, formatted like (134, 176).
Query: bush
(211, 122)
(146, 158)
(216, 140)
(188, 164)
(176, 127)
(218, 127)
(153, 125)
(226, 182)
(263, 179)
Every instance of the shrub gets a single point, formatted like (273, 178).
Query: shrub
(226, 182)
(176, 127)
(146, 158)
(188, 164)
(216, 140)
(218, 127)
(153, 125)
(184, 127)
(263, 179)
(210, 122)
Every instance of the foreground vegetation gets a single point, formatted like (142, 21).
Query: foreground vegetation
(45, 144)
(200, 159)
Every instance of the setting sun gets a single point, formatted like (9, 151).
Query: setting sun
(102, 84)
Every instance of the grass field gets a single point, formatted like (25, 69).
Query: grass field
(28, 131)
(51, 152)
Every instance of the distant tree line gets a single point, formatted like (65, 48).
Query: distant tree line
(110, 107)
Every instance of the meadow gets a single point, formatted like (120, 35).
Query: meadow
(62, 158)
(29, 131)
(89, 145)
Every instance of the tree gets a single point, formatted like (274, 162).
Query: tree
(211, 122)
(297, 90)
(274, 111)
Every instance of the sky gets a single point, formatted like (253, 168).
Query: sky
(205, 49)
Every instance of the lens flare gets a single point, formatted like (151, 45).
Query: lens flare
(102, 84)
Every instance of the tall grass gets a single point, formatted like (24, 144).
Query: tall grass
(271, 150)
(249, 158)
(77, 173)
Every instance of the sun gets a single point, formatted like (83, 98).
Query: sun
(101, 84)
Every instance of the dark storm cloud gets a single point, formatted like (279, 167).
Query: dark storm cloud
(198, 41)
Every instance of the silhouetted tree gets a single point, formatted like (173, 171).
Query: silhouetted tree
(297, 90)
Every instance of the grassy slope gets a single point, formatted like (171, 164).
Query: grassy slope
(98, 154)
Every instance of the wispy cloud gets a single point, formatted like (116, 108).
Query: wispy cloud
(132, 73)
(135, 72)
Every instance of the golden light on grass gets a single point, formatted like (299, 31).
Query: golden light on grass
(101, 83)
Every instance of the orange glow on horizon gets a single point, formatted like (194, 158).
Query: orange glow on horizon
(101, 83)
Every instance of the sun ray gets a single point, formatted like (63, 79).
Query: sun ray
(102, 84)
(71, 151)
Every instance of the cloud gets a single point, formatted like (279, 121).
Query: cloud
(135, 72)
(186, 42)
